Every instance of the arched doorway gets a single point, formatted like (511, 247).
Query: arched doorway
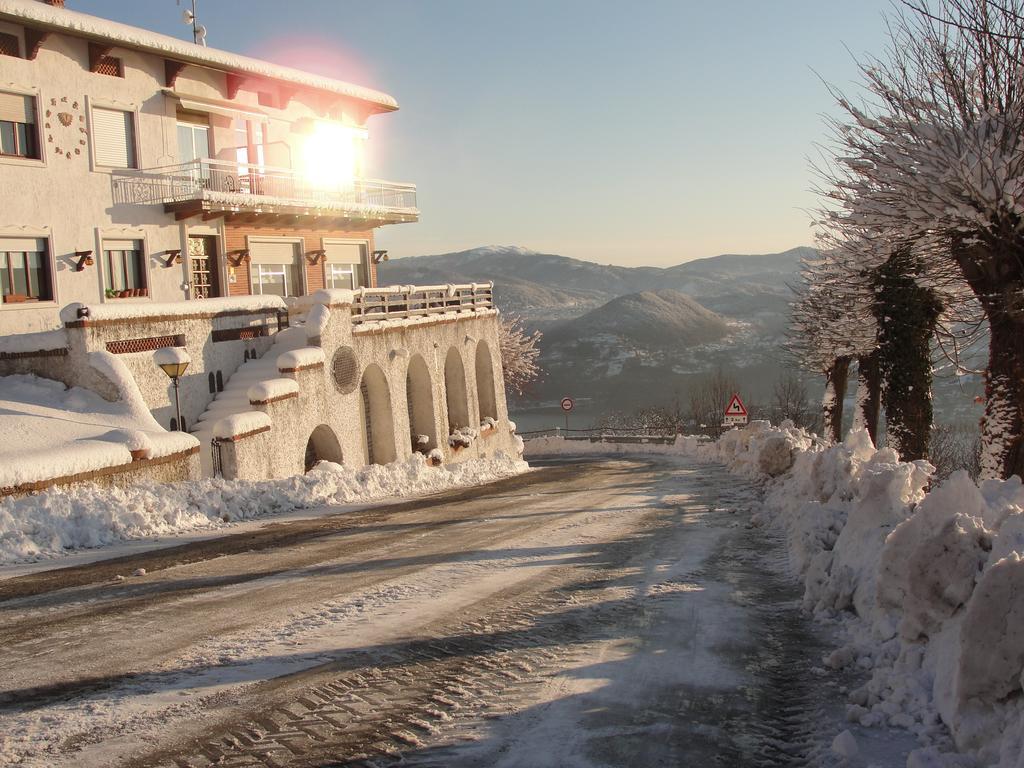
(420, 401)
(485, 383)
(322, 445)
(378, 426)
(455, 391)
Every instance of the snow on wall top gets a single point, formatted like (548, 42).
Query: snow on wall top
(43, 341)
(272, 389)
(303, 357)
(36, 13)
(140, 311)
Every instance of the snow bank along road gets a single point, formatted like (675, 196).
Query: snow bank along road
(600, 611)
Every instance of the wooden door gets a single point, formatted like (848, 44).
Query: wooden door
(202, 257)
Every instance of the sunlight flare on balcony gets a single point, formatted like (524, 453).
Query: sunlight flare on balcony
(331, 156)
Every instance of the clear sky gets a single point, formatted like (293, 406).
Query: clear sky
(647, 132)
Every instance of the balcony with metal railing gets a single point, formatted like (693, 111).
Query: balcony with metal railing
(223, 187)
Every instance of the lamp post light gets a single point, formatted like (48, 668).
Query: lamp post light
(173, 361)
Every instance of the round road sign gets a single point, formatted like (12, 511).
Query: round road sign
(567, 404)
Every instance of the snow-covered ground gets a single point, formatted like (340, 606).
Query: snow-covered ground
(927, 586)
(470, 600)
(59, 520)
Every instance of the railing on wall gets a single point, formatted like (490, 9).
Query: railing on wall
(406, 301)
(598, 435)
(197, 178)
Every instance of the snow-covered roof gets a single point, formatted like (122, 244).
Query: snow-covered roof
(37, 14)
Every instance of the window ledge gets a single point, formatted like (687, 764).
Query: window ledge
(48, 304)
(27, 162)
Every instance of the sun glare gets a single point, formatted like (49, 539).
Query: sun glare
(331, 155)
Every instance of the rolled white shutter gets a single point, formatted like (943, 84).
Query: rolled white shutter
(22, 244)
(17, 108)
(344, 253)
(122, 245)
(273, 252)
(113, 136)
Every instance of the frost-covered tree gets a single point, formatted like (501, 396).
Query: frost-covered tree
(830, 327)
(519, 353)
(933, 156)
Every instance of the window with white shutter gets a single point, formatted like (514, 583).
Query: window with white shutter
(113, 137)
(345, 264)
(18, 132)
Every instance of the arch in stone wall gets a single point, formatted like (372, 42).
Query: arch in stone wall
(419, 399)
(485, 394)
(456, 396)
(323, 445)
(378, 425)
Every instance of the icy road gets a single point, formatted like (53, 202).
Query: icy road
(602, 612)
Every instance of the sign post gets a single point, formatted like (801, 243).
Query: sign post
(735, 413)
(567, 406)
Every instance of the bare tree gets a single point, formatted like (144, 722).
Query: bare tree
(519, 353)
(791, 401)
(708, 400)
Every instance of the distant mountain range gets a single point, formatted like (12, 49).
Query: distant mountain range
(620, 337)
(544, 287)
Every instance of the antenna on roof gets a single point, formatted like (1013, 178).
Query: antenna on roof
(198, 30)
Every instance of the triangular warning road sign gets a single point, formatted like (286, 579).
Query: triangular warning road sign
(735, 407)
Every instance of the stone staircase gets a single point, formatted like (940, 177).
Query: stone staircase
(235, 396)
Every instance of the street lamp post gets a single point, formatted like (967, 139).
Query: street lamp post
(173, 361)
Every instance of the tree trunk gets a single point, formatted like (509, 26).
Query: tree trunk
(835, 393)
(869, 394)
(1002, 427)
(906, 313)
(997, 279)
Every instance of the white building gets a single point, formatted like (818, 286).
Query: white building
(162, 194)
(138, 167)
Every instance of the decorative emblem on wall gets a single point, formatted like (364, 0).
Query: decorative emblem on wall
(65, 126)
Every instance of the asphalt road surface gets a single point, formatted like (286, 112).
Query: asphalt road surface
(592, 612)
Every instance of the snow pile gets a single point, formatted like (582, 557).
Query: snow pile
(928, 585)
(55, 521)
(51, 431)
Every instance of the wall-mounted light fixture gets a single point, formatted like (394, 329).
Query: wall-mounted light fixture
(316, 257)
(173, 257)
(379, 256)
(84, 260)
(236, 258)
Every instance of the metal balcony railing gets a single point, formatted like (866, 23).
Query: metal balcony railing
(401, 302)
(242, 184)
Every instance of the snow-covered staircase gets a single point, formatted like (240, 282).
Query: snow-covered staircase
(235, 396)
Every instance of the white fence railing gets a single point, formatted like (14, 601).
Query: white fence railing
(195, 179)
(405, 301)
